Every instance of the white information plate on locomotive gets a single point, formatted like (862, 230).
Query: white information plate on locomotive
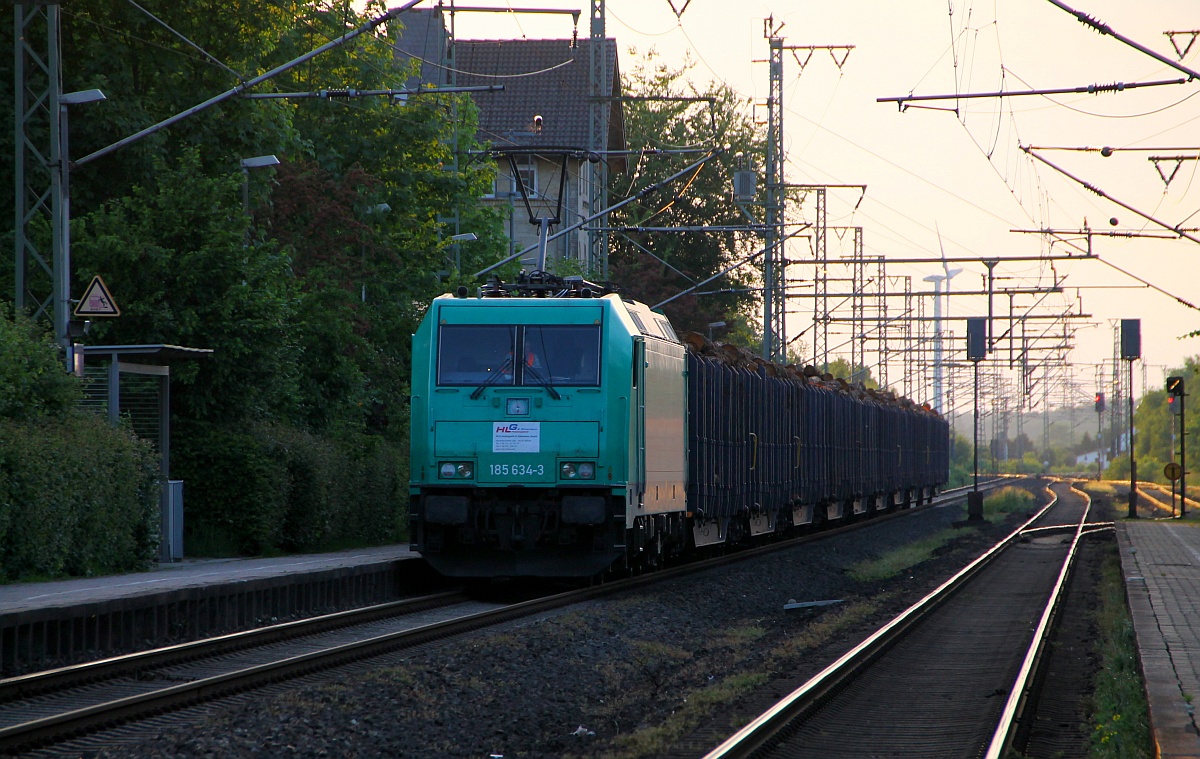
(516, 437)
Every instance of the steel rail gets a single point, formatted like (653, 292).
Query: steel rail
(1019, 693)
(1163, 490)
(45, 730)
(762, 729)
(91, 718)
(60, 678)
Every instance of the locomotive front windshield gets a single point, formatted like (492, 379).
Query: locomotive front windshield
(535, 355)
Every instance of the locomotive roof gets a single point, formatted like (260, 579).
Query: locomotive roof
(547, 290)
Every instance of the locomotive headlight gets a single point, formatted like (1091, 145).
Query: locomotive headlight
(456, 470)
(578, 470)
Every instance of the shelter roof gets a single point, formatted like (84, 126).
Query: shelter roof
(139, 354)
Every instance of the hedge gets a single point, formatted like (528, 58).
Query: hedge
(271, 488)
(77, 497)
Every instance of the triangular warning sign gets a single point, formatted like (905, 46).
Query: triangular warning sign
(97, 301)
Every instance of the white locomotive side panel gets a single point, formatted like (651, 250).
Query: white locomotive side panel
(666, 439)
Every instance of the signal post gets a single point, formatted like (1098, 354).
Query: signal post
(1175, 396)
(1131, 350)
(976, 352)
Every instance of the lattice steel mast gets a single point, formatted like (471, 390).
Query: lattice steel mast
(41, 275)
(598, 112)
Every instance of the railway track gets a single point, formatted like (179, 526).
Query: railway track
(1163, 499)
(950, 676)
(42, 708)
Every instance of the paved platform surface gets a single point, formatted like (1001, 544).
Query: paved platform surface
(188, 573)
(1161, 564)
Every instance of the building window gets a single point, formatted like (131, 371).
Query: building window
(526, 173)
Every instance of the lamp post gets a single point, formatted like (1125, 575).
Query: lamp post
(937, 280)
(61, 189)
(711, 327)
(257, 162)
(456, 239)
(378, 208)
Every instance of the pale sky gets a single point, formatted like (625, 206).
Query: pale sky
(963, 175)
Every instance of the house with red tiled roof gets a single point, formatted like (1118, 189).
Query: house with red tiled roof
(537, 128)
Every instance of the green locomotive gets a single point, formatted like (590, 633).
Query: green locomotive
(561, 431)
(548, 434)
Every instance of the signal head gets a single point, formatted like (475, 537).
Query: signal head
(1175, 386)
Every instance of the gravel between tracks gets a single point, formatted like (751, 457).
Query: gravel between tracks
(664, 671)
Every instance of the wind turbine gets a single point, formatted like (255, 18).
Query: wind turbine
(937, 280)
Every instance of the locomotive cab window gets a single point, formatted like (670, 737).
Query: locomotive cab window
(474, 354)
(549, 355)
(561, 354)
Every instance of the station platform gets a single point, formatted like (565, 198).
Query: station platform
(65, 621)
(1160, 559)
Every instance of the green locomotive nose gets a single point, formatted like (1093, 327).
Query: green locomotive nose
(519, 435)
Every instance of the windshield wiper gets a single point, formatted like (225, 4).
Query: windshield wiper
(542, 380)
(506, 366)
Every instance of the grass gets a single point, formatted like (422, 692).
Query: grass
(1005, 501)
(996, 507)
(714, 700)
(898, 560)
(654, 740)
(1104, 487)
(829, 627)
(737, 635)
(1120, 722)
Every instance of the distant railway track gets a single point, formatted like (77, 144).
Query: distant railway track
(1164, 499)
(949, 676)
(43, 708)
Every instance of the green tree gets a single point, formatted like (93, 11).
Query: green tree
(191, 281)
(1157, 429)
(841, 368)
(362, 211)
(302, 350)
(654, 266)
(32, 380)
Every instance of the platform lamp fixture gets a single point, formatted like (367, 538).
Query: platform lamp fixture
(457, 240)
(257, 162)
(712, 326)
(976, 352)
(1175, 396)
(1131, 350)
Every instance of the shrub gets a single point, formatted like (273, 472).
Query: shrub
(33, 381)
(234, 490)
(312, 466)
(78, 496)
(272, 487)
(375, 499)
